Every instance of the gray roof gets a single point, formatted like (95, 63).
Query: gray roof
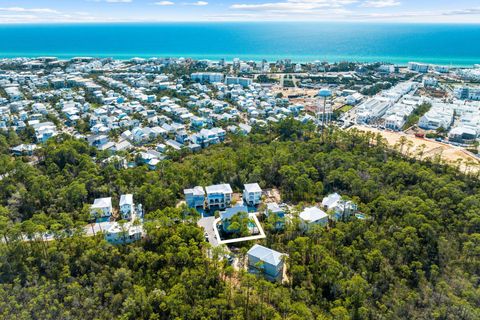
(219, 188)
(230, 212)
(266, 255)
(252, 187)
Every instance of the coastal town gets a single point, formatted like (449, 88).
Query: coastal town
(141, 112)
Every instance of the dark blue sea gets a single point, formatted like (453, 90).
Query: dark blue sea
(450, 44)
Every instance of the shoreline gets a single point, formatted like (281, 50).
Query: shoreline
(401, 62)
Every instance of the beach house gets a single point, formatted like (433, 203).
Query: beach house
(267, 261)
(126, 206)
(219, 196)
(311, 216)
(101, 208)
(252, 194)
(195, 197)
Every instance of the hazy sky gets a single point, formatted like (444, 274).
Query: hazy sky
(29, 11)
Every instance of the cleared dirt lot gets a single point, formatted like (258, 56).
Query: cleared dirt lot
(449, 153)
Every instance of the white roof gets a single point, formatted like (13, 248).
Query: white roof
(219, 188)
(196, 191)
(252, 187)
(331, 200)
(312, 214)
(102, 203)
(274, 207)
(126, 199)
(266, 255)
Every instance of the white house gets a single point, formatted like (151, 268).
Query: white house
(313, 216)
(219, 195)
(126, 206)
(121, 234)
(252, 194)
(101, 207)
(341, 208)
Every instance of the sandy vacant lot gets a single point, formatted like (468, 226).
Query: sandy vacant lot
(448, 152)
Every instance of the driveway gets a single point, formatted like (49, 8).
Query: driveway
(207, 224)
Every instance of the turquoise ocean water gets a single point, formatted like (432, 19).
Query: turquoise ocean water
(450, 44)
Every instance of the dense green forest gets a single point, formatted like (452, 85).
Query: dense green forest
(418, 257)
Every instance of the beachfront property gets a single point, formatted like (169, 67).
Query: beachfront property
(218, 196)
(101, 208)
(267, 261)
(252, 194)
(311, 216)
(207, 77)
(127, 209)
(418, 67)
(195, 197)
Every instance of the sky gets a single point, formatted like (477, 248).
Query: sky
(65, 11)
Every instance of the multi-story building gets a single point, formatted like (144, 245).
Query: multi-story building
(252, 194)
(126, 206)
(219, 196)
(195, 197)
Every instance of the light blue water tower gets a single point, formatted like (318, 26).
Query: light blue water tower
(324, 93)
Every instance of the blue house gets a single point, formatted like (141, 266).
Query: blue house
(275, 209)
(267, 261)
(194, 197)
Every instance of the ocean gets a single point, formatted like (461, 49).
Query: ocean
(449, 44)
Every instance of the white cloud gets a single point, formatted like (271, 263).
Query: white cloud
(381, 3)
(29, 10)
(469, 11)
(164, 3)
(296, 6)
(197, 4)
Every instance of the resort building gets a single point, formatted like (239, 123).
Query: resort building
(210, 77)
(418, 67)
(244, 82)
(467, 93)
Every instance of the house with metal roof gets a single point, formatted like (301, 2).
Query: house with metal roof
(101, 207)
(313, 216)
(265, 260)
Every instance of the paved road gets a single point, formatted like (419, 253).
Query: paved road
(207, 224)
